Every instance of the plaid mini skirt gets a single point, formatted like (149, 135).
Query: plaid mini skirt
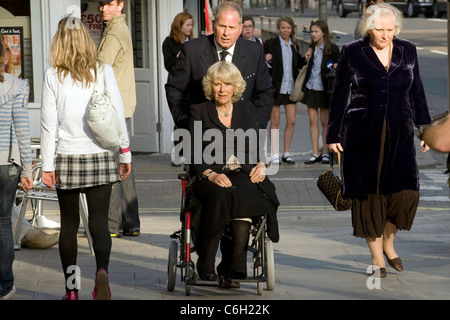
(75, 171)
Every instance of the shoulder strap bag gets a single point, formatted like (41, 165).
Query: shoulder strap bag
(102, 118)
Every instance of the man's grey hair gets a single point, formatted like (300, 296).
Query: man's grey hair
(228, 5)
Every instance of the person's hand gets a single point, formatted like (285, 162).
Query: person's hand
(48, 178)
(424, 146)
(26, 183)
(268, 57)
(124, 170)
(335, 147)
(258, 173)
(220, 179)
(308, 54)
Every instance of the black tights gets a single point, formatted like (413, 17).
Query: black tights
(98, 198)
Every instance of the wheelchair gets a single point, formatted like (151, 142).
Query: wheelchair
(260, 247)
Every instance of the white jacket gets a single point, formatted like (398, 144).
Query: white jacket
(63, 117)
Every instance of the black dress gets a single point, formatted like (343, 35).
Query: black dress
(244, 199)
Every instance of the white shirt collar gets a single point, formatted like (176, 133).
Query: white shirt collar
(230, 50)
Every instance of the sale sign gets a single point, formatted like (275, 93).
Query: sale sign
(92, 18)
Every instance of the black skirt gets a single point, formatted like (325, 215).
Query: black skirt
(316, 99)
(220, 205)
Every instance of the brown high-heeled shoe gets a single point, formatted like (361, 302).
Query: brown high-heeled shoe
(395, 263)
(381, 272)
(101, 289)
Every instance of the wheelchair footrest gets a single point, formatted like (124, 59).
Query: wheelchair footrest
(176, 235)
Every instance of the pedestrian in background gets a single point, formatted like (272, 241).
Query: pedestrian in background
(180, 32)
(15, 164)
(374, 130)
(285, 61)
(116, 49)
(295, 5)
(367, 3)
(322, 57)
(78, 163)
(248, 29)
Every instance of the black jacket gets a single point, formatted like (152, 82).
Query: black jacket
(184, 85)
(273, 46)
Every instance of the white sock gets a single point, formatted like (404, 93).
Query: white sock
(286, 154)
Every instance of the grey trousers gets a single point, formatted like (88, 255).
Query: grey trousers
(123, 207)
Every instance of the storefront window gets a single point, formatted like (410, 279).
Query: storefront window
(15, 34)
(135, 10)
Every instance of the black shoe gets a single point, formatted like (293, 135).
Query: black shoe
(227, 283)
(288, 160)
(239, 274)
(314, 159)
(209, 277)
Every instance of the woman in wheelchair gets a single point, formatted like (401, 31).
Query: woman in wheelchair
(231, 183)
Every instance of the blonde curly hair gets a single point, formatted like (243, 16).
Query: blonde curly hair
(226, 72)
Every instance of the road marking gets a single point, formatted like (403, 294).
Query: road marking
(439, 52)
(436, 198)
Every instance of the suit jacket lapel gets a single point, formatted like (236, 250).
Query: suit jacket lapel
(209, 54)
(240, 58)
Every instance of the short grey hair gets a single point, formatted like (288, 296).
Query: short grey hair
(228, 5)
(373, 14)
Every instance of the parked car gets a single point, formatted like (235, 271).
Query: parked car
(412, 8)
(345, 7)
(439, 8)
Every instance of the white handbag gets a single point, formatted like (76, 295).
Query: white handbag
(102, 118)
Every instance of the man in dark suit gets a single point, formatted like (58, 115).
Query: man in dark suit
(184, 85)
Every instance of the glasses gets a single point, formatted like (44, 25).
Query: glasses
(248, 27)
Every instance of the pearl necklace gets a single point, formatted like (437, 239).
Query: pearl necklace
(226, 113)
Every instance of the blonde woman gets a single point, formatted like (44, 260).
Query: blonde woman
(233, 187)
(78, 163)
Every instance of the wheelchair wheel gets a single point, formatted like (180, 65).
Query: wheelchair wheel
(270, 266)
(187, 289)
(172, 265)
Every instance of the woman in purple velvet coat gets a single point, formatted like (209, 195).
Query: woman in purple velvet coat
(374, 130)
